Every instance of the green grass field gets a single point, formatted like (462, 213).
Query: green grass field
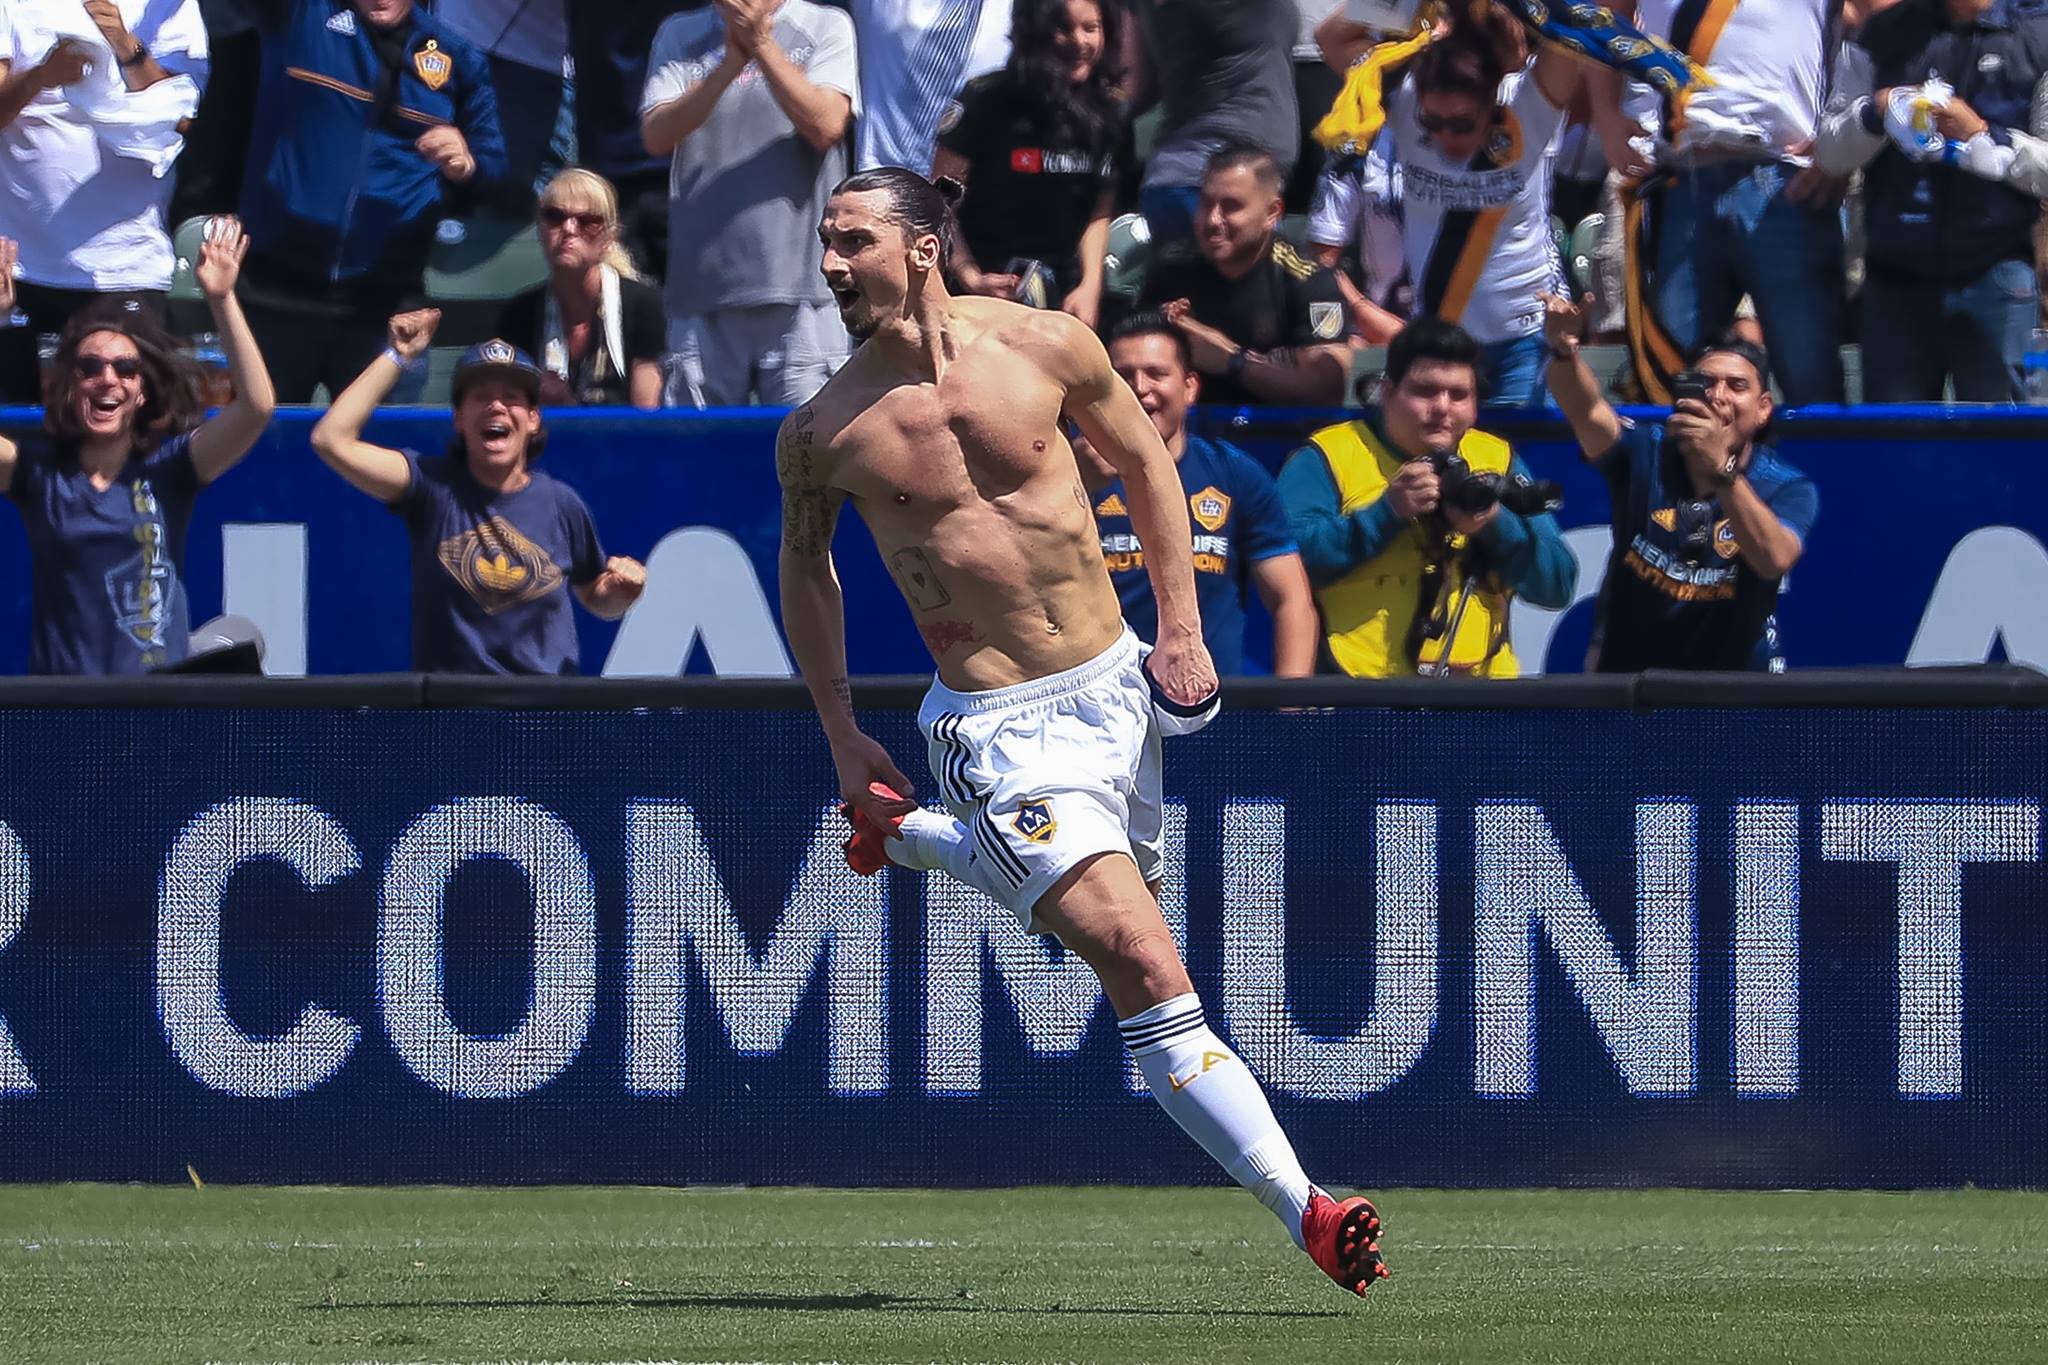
(120, 1274)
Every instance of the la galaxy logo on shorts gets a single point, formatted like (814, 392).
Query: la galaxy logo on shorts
(1034, 821)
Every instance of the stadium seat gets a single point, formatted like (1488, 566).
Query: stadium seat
(186, 309)
(1578, 254)
(470, 279)
(1128, 256)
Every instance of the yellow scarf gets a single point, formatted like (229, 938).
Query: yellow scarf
(1360, 111)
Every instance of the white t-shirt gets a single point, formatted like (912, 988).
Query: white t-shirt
(1768, 59)
(745, 192)
(532, 33)
(80, 189)
(914, 57)
(1358, 201)
(1478, 233)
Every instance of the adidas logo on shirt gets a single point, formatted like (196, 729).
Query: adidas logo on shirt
(343, 22)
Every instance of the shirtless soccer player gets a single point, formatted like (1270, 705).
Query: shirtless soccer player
(1044, 723)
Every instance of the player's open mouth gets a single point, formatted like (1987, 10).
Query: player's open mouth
(846, 294)
(497, 431)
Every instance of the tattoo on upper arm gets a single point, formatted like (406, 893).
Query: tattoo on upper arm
(809, 508)
(919, 580)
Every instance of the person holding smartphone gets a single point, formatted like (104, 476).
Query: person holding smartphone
(1708, 520)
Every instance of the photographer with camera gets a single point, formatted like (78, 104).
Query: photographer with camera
(1707, 519)
(1418, 531)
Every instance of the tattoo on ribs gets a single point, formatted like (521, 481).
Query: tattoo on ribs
(919, 580)
(940, 636)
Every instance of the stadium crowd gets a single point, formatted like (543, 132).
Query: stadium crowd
(1285, 202)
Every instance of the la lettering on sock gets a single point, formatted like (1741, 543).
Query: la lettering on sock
(1210, 1093)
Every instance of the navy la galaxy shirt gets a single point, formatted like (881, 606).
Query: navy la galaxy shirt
(491, 571)
(1238, 521)
(1677, 594)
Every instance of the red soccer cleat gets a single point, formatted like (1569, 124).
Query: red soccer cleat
(864, 851)
(1344, 1239)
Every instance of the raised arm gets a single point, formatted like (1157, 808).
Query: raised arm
(814, 617)
(222, 441)
(1108, 414)
(381, 472)
(66, 65)
(1573, 383)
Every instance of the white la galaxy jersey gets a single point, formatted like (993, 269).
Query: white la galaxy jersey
(1769, 61)
(1478, 232)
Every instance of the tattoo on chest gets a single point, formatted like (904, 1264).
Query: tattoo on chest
(919, 580)
(940, 636)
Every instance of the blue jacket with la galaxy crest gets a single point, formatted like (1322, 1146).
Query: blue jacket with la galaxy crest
(337, 194)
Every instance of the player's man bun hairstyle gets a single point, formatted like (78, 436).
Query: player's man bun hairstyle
(918, 205)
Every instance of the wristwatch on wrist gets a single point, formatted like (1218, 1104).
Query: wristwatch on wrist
(138, 56)
(1234, 367)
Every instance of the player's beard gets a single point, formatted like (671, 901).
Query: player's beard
(859, 318)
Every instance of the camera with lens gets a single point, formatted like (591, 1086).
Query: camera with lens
(1474, 492)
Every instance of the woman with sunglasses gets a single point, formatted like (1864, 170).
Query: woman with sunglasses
(1475, 130)
(107, 496)
(598, 329)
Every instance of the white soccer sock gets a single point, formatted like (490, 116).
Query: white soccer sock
(1211, 1094)
(932, 842)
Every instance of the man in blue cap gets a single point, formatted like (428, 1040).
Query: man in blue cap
(494, 541)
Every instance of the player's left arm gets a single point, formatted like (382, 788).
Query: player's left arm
(1108, 414)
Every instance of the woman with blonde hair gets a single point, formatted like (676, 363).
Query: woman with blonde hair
(596, 327)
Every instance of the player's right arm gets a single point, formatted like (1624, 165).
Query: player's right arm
(814, 617)
(381, 472)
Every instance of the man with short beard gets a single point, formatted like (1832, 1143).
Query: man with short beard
(1044, 722)
(494, 540)
(1265, 323)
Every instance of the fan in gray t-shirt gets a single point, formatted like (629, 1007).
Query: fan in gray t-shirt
(756, 122)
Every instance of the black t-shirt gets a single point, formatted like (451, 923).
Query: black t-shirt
(1284, 300)
(1032, 186)
(1677, 592)
(594, 380)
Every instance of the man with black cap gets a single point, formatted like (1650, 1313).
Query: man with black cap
(494, 541)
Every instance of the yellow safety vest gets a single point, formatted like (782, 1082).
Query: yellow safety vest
(1368, 612)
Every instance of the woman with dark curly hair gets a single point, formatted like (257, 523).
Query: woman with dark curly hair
(106, 496)
(1038, 145)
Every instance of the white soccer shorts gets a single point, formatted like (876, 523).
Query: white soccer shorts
(1050, 772)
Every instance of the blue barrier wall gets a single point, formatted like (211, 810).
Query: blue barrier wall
(1909, 499)
(1461, 948)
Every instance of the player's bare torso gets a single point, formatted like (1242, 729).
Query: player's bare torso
(970, 489)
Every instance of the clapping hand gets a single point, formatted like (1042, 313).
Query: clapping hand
(112, 26)
(411, 333)
(221, 254)
(444, 145)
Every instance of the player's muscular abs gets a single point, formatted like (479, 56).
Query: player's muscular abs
(971, 492)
